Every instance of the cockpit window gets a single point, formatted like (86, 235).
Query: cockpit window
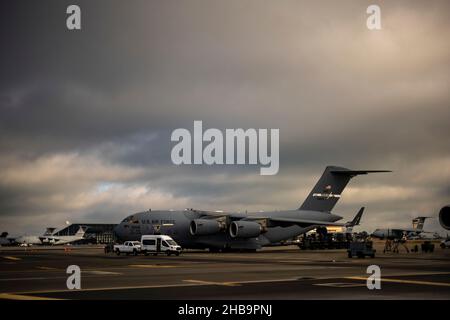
(128, 219)
(131, 219)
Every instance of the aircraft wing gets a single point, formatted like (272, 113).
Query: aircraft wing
(218, 214)
(406, 230)
(44, 238)
(273, 220)
(300, 222)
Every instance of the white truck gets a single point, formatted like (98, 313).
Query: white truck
(129, 247)
(159, 244)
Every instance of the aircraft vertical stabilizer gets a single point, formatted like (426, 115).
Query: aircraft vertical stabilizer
(327, 191)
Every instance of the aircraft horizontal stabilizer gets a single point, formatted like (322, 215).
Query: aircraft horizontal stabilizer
(357, 172)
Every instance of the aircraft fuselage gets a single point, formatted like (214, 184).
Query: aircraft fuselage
(177, 223)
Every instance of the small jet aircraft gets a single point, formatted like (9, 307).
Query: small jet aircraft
(219, 231)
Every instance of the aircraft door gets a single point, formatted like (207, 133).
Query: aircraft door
(158, 245)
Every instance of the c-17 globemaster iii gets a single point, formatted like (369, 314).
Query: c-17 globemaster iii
(245, 231)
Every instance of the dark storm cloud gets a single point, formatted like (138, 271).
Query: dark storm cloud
(86, 116)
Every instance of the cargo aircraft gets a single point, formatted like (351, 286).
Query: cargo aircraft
(416, 232)
(222, 231)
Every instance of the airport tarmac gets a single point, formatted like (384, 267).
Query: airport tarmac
(273, 273)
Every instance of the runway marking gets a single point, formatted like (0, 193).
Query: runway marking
(110, 288)
(151, 266)
(300, 260)
(46, 268)
(313, 267)
(227, 284)
(21, 279)
(412, 274)
(99, 272)
(175, 285)
(225, 256)
(190, 283)
(10, 296)
(12, 258)
(340, 284)
(426, 283)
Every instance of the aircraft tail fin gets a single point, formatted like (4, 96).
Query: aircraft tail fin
(81, 231)
(355, 222)
(327, 191)
(418, 223)
(357, 219)
(49, 231)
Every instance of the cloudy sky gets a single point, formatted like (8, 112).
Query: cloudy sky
(86, 116)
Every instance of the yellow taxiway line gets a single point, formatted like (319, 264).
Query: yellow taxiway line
(12, 258)
(426, 283)
(11, 296)
(46, 268)
(227, 284)
(150, 266)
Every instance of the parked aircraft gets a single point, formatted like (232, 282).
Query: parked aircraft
(416, 232)
(249, 231)
(50, 238)
(30, 240)
(54, 240)
(4, 240)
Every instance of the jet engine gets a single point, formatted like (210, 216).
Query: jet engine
(245, 229)
(203, 227)
(444, 217)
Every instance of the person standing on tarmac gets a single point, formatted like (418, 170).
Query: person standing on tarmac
(403, 242)
(387, 246)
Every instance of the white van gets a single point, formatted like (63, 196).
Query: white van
(159, 243)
